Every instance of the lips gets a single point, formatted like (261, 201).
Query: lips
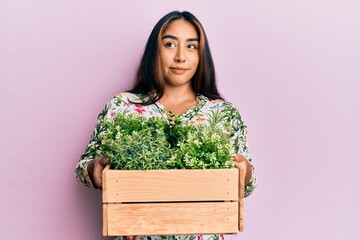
(178, 70)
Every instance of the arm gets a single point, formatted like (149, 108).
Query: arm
(242, 162)
(242, 157)
(95, 168)
(89, 168)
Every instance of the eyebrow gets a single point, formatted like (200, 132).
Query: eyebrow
(175, 38)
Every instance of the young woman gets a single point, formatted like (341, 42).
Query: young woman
(176, 75)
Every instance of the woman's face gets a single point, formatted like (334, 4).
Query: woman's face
(179, 54)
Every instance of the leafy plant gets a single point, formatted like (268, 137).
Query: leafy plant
(133, 142)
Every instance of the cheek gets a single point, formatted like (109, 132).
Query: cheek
(161, 58)
(163, 54)
(196, 58)
(165, 60)
(196, 62)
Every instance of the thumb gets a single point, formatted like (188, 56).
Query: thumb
(104, 161)
(239, 158)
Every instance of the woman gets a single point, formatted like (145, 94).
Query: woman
(176, 75)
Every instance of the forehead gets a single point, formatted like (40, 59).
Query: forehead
(181, 28)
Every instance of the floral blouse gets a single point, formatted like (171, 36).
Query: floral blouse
(213, 113)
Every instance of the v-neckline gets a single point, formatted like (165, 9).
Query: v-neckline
(190, 112)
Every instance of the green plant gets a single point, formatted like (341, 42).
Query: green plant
(133, 142)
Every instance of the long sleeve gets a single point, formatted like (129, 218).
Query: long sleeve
(91, 150)
(239, 137)
(118, 104)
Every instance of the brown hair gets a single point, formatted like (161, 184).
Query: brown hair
(149, 75)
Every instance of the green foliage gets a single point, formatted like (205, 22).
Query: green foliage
(136, 143)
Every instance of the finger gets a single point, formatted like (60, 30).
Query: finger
(98, 168)
(236, 158)
(98, 181)
(99, 184)
(240, 158)
(104, 161)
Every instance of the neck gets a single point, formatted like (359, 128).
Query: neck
(178, 100)
(178, 94)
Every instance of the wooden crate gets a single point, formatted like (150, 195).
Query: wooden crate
(172, 202)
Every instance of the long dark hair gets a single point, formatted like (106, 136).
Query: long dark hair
(149, 77)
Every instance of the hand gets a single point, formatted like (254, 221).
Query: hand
(243, 163)
(95, 169)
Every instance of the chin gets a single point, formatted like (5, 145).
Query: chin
(178, 82)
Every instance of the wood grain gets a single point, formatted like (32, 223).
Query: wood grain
(173, 202)
(105, 219)
(171, 185)
(241, 186)
(171, 218)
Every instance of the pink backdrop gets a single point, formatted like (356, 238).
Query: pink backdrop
(292, 68)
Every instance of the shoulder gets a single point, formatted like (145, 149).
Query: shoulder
(120, 102)
(222, 108)
(125, 99)
(218, 104)
(131, 103)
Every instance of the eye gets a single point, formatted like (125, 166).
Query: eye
(192, 46)
(169, 44)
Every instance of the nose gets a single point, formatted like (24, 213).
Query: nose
(180, 55)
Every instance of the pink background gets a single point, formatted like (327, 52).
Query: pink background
(292, 68)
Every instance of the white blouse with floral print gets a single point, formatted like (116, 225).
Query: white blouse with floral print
(213, 113)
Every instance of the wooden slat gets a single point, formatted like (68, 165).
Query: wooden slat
(241, 215)
(105, 220)
(242, 174)
(170, 185)
(104, 181)
(172, 218)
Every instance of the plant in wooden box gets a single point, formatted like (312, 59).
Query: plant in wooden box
(160, 201)
(136, 143)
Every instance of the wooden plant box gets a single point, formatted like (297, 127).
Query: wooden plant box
(172, 202)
